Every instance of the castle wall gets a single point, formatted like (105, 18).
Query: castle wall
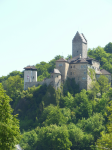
(56, 81)
(95, 64)
(79, 73)
(30, 84)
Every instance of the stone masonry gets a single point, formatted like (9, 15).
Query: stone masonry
(77, 68)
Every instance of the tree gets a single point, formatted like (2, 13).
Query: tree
(53, 138)
(53, 115)
(105, 142)
(108, 47)
(103, 83)
(79, 139)
(9, 125)
(12, 85)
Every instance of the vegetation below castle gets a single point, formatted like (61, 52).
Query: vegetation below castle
(63, 119)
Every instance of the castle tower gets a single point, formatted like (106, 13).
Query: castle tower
(79, 45)
(63, 66)
(30, 74)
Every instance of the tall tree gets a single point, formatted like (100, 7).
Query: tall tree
(9, 125)
(108, 48)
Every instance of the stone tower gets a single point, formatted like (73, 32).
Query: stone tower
(30, 74)
(79, 45)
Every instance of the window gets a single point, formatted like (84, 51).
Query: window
(83, 78)
(84, 72)
(60, 65)
(71, 73)
(57, 76)
(74, 66)
(77, 51)
(71, 66)
(81, 66)
(84, 66)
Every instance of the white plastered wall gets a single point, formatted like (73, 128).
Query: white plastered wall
(34, 76)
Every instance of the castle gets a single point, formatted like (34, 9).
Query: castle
(77, 68)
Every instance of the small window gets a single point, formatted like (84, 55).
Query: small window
(77, 51)
(84, 72)
(83, 78)
(81, 66)
(57, 76)
(74, 66)
(60, 65)
(84, 66)
(71, 73)
(71, 66)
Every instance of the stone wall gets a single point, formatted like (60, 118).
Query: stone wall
(63, 67)
(56, 81)
(84, 50)
(30, 84)
(79, 73)
(76, 48)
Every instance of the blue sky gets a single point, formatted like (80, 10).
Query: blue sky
(32, 31)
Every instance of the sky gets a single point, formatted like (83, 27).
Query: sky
(32, 31)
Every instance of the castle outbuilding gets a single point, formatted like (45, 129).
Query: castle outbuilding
(77, 68)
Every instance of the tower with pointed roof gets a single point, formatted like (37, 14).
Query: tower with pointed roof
(79, 45)
(77, 68)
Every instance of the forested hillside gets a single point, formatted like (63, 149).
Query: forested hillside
(63, 119)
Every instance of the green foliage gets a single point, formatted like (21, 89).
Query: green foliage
(53, 138)
(70, 86)
(68, 57)
(9, 125)
(13, 85)
(53, 115)
(104, 84)
(93, 125)
(29, 140)
(79, 139)
(91, 73)
(61, 119)
(106, 137)
(44, 69)
(104, 58)
(108, 48)
(82, 105)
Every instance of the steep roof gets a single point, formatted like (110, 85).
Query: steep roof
(56, 71)
(79, 60)
(30, 68)
(103, 71)
(78, 37)
(62, 60)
